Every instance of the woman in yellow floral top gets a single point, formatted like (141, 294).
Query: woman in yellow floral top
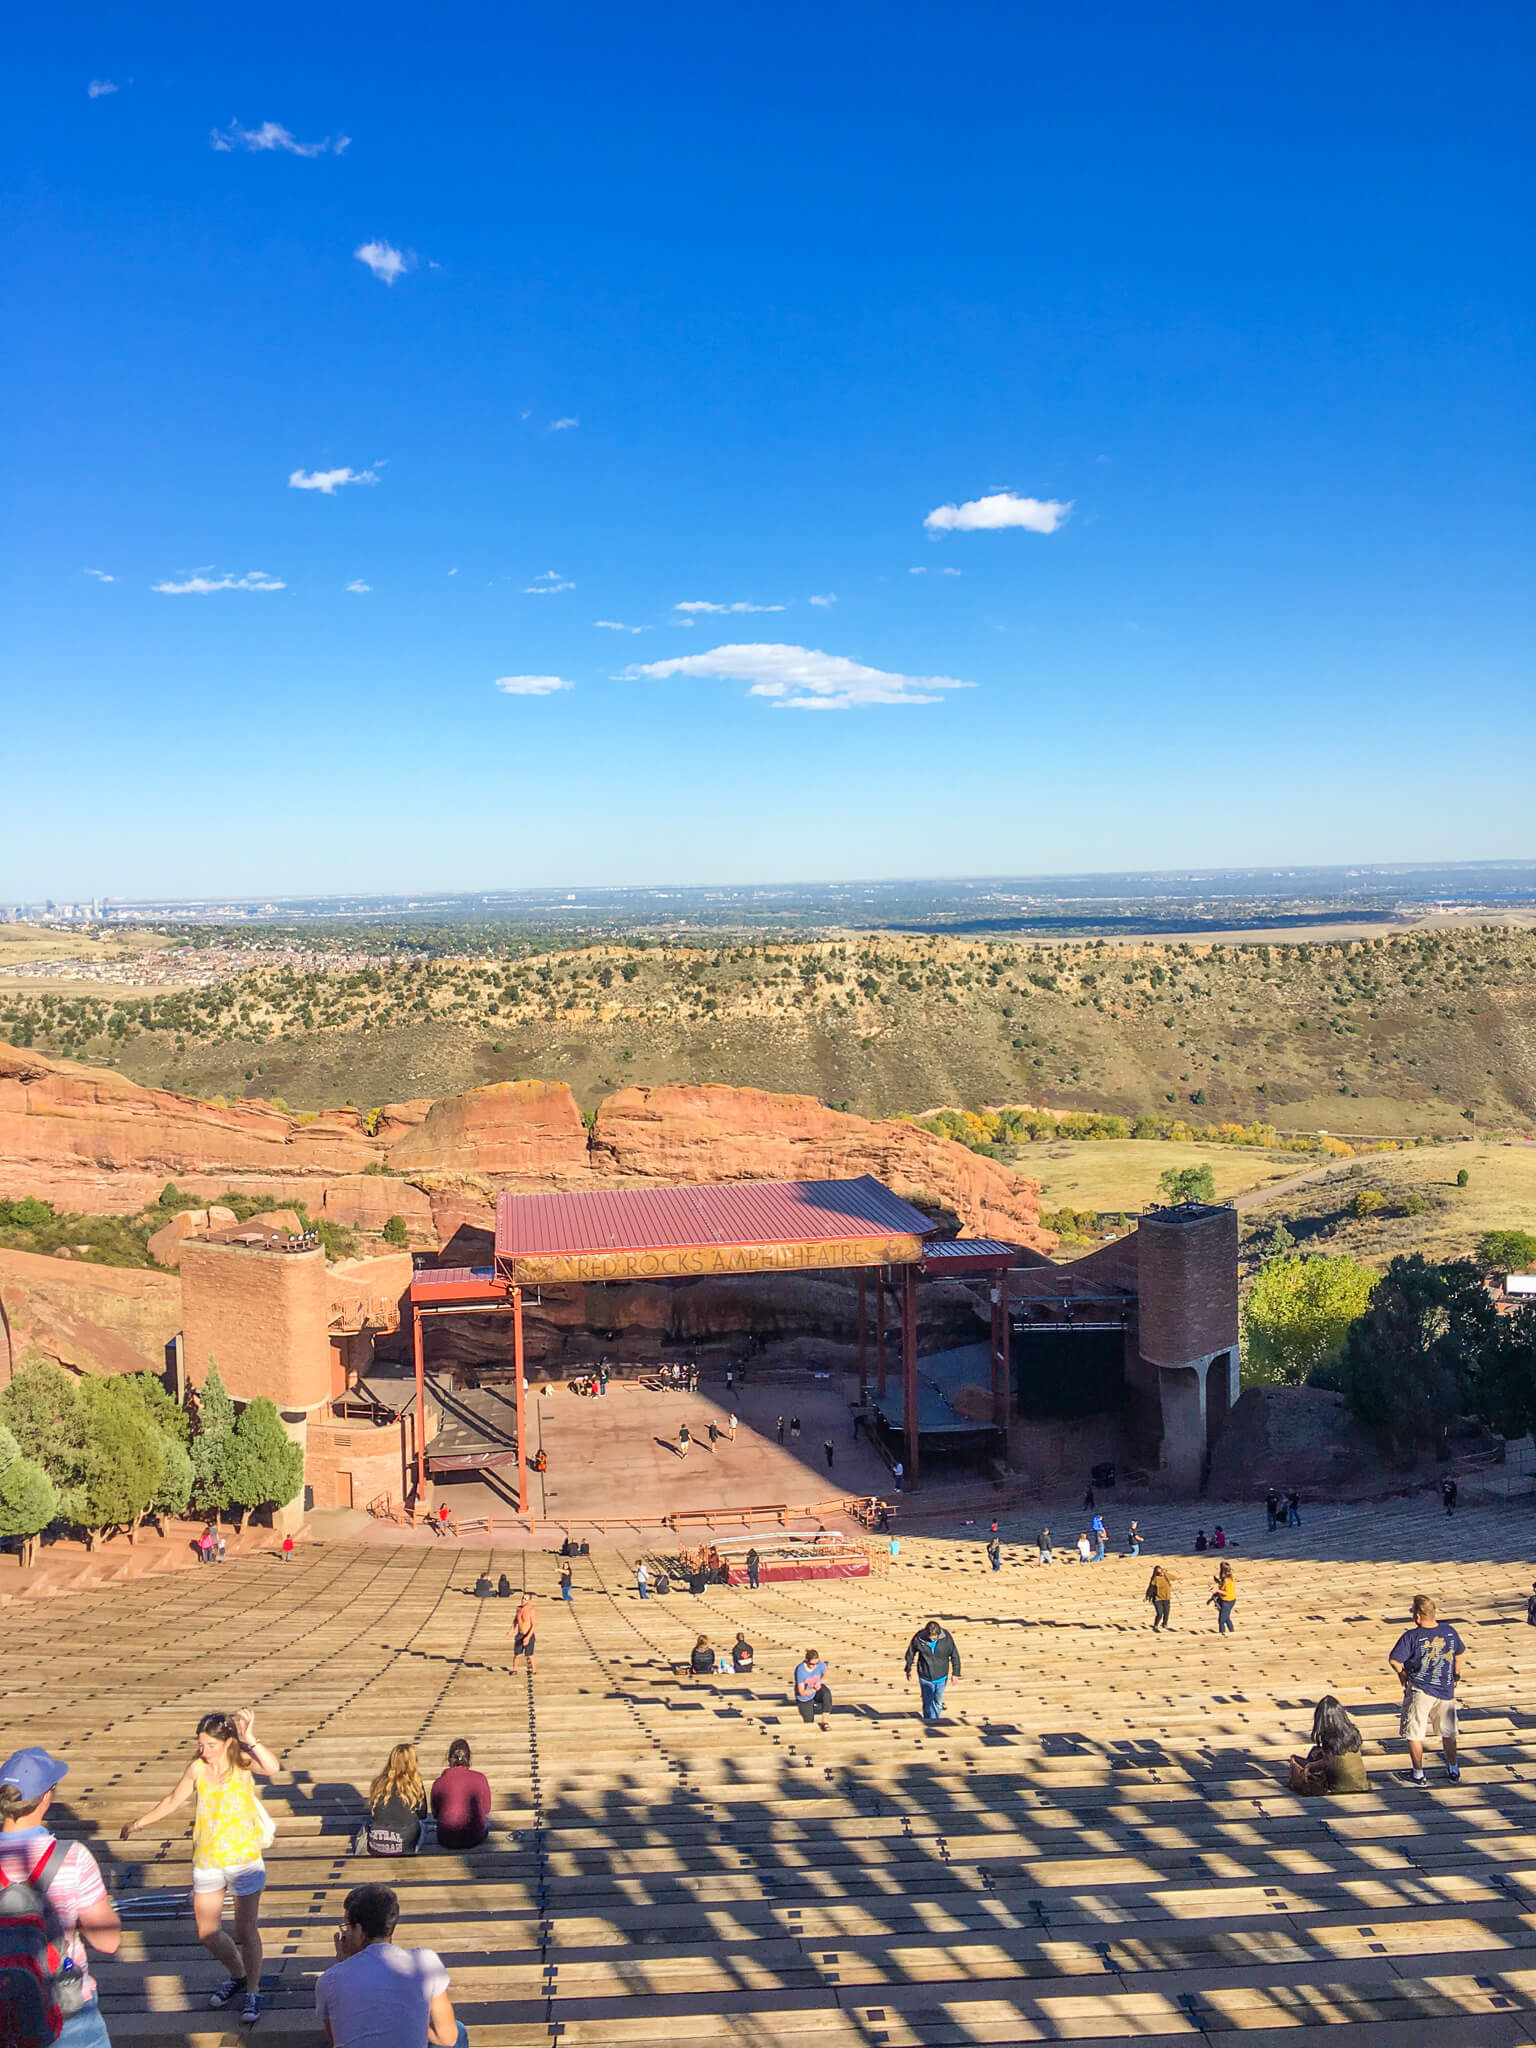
(229, 1832)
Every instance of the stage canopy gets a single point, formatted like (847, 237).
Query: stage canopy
(682, 1232)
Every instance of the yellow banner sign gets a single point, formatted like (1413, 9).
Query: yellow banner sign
(704, 1261)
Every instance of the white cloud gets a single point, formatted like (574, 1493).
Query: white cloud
(100, 87)
(560, 426)
(923, 572)
(1002, 508)
(803, 678)
(618, 626)
(359, 586)
(272, 135)
(453, 572)
(532, 686)
(951, 572)
(101, 575)
(329, 481)
(547, 584)
(829, 598)
(201, 585)
(700, 604)
(385, 260)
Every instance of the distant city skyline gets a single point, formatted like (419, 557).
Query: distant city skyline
(1112, 426)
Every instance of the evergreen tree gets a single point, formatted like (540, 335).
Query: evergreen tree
(266, 1467)
(211, 1447)
(162, 1411)
(28, 1500)
(1411, 1362)
(42, 1409)
(396, 1231)
(122, 1459)
(173, 1489)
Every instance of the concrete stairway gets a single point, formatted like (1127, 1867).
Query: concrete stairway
(1097, 1843)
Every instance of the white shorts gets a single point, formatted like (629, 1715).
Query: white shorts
(1424, 1717)
(240, 1883)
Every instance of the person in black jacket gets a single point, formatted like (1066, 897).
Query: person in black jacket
(933, 1651)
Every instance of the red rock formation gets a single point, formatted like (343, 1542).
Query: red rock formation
(366, 1201)
(89, 1318)
(528, 1131)
(55, 1114)
(716, 1134)
(165, 1245)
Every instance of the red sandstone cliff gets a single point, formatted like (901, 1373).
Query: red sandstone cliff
(711, 1134)
(89, 1318)
(90, 1140)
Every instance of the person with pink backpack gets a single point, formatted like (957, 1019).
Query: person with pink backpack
(51, 1895)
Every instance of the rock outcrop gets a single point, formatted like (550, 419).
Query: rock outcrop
(715, 1134)
(88, 1318)
(165, 1245)
(90, 1140)
(529, 1131)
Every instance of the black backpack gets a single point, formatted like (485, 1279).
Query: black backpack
(39, 1988)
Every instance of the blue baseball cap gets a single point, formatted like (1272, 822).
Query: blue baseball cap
(33, 1772)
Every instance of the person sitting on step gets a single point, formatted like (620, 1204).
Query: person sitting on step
(1336, 1760)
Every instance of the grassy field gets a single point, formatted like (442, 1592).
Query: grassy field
(1500, 1193)
(22, 944)
(1115, 1176)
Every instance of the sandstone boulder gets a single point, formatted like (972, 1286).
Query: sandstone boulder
(530, 1131)
(366, 1293)
(164, 1246)
(721, 1134)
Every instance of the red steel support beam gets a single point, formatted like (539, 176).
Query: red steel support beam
(864, 1335)
(909, 1373)
(880, 1331)
(420, 1495)
(517, 1370)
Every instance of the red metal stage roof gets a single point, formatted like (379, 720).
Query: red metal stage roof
(755, 1212)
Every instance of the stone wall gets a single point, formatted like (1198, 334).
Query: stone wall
(264, 1315)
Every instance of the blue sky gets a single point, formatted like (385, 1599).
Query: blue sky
(1230, 306)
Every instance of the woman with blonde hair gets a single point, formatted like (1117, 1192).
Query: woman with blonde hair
(230, 1831)
(397, 1800)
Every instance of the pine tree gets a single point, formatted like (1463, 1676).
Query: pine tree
(122, 1459)
(28, 1500)
(266, 1467)
(42, 1408)
(211, 1447)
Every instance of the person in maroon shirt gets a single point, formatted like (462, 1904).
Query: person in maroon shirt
(461, 1802)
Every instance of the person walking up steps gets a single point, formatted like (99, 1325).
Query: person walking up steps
(565, 1580)
(230, 1831)
(811, 1694)
(1160, 1593)
(1427, 1659)
(1224, 1599)
(933, 1651)
(642, 1580)
(376, 1995)
(794, 1429)
(1047, 1554)
(1133, 1540)
(67, 1882)
(524, 1632)
(994, 1552)
(1100, 1534)
(754, 1566)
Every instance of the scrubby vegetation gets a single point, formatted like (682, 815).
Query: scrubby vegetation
(30, 1225)
(1381, 1036)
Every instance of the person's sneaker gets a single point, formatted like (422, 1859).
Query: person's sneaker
(226, 1992)
(1417, 1778)
(251, 2010)
(1453, 1772)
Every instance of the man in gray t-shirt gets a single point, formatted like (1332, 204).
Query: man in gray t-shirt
(377, 1995)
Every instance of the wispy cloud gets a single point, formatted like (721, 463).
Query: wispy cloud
(101, 575)
(532, 686)
(100, 87)
(273, 135)
(547, 584)
(329, 481)
(560, 426)
(359, 586)
(1002, 508)
(803, 678)
(385, 260)
(923, 571)
(618, 626)
(829, 597)
(206, 582)
(700, 604)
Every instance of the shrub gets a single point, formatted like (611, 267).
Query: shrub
(396, 1231)
(1187, 1184)
(1369, 1202)
(1506, 1251)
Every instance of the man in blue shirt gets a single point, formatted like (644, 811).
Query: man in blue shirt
(1427, 1659)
